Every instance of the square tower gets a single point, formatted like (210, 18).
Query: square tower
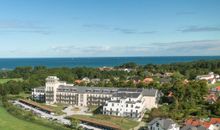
(52, 83)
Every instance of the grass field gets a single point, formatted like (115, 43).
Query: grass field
(8, 122)
(123, 123)
(6, 80)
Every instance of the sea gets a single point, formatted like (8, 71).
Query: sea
(11, 63)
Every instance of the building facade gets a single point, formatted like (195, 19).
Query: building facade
(39, 94)
(131, 102)
(115, 101)
(163, 124)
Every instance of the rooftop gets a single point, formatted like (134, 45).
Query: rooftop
(206, 124)
(164, 123)
(127, 95)
(84, 89)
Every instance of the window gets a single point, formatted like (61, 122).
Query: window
(81, 97)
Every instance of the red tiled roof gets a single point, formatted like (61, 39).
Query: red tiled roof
(218, 88)
(206, 124)
(148, 80)
(78, 81)
(215, 120)
(196, 123)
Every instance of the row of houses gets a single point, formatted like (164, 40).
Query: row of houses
(211, 78)
(87, 80)
(135, 80)
(104, 68)
(125, 102)
(190, 124)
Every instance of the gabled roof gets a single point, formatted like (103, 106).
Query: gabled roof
(148, 80)
(164, 123)
(215, 120)
(217, 88)
(202, 128)
(189, 127)
(198, 123)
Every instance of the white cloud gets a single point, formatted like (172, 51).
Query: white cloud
(17, 26)
(177, 48)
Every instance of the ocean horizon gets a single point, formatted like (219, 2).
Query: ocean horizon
(11, 63)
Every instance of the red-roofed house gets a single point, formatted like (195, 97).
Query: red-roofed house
(78, 81)
(148, 80)
(217, 88)
(215, 120)
(212, 124)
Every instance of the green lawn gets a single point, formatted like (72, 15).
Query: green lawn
(123, 123)
(8, 122)
(6, 80)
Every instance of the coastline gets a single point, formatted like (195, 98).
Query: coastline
(11, 63)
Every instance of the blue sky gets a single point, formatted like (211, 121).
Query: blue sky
(97, 28)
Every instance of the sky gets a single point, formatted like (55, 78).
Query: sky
(109, 28)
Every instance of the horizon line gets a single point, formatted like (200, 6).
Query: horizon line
(107, 57)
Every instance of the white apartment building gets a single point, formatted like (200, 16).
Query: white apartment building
(115, 101)
(131, 102)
